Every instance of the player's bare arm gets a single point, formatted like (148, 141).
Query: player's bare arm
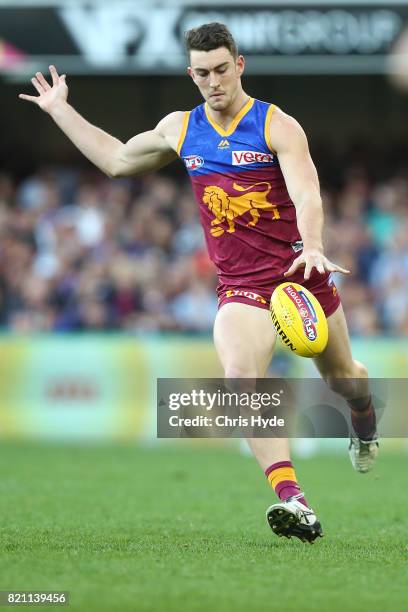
(290, 143)
(145, 152)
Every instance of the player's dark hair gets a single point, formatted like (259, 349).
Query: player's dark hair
(210, 36)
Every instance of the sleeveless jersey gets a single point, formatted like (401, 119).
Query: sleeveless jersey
(248, 218)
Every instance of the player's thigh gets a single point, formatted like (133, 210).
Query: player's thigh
(337, 361)
(244, 338)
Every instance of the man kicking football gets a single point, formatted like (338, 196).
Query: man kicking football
(259, 200)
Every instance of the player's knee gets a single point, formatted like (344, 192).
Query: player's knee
(241, 378)
(240, 372)
(360, 370)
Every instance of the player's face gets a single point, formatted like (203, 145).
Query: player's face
(217, 75)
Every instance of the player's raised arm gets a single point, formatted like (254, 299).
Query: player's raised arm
(290, 143)
(145, 152)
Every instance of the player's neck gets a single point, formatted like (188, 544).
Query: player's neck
(224, 117)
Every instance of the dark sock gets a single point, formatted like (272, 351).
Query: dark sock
(363, 418)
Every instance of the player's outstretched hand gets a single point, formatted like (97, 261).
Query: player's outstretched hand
(49, 95)
(314, 258)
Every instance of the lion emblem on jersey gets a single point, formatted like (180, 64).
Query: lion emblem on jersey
(226, 207)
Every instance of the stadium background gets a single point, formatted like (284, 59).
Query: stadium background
(98, 272)
(106, 285)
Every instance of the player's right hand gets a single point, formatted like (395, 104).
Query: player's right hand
(49, 95)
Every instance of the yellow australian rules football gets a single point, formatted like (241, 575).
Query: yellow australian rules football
(299, 320)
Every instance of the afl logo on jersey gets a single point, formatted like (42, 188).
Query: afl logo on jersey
(242, 158)
(193, 162)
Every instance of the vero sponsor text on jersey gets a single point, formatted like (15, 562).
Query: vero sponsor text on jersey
(241, 158)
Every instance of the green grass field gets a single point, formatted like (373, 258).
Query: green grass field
(177, 529)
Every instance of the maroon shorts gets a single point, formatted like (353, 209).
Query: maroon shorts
(321, 285)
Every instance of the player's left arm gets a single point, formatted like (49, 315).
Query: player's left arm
(291, 146)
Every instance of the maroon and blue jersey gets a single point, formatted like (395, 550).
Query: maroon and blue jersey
(248, 217)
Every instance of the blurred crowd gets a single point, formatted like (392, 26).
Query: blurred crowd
(81, 252)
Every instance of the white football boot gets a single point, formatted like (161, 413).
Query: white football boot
(292, 518)
(363, 454)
